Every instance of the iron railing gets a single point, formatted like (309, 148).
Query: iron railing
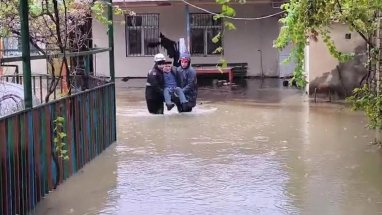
(141, 29)
(30, 163)
(30, 167)
(203, 28)
(41, 83)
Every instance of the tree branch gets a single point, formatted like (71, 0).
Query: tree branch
(355, 27)
(30, 40)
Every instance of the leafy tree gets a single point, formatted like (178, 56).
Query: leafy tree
(309, 19)
(226, 13)
(306, 20)
(56, 26)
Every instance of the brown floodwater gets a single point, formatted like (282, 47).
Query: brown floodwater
(257, 148)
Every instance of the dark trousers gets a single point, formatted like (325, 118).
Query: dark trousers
(154, 106)
(179, 106)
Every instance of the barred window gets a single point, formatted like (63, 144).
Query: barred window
(142, 29)
(203, 29)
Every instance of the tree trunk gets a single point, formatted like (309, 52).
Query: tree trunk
(378, 74)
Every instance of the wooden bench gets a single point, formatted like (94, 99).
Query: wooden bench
(237, 69)
(214, 70)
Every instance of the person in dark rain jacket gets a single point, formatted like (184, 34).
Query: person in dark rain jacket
(188, 82)
(154, 86)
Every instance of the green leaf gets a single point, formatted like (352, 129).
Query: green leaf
(228, 11)
(62, 135)
(229, 25)
(222, 1)
(216, 38)
(117, 11)
(218, 50)
(217, 16)
(223, 62)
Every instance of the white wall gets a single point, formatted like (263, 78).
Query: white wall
(240, 45)
(37, 67)
(320, 59)
(327, 73)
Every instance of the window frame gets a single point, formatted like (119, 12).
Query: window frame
(16, 51)
(142, 28)
(205, 36)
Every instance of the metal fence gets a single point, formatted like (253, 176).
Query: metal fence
(30, 167)
(42, 82)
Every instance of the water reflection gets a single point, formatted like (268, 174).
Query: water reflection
(173, 186)
(87, 191)
(248, 150)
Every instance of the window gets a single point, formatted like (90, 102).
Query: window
(12, 46)
(203, 29)
(141, 30)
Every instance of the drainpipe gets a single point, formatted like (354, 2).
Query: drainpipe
(188, 28)
(23, 11)
(261, 63)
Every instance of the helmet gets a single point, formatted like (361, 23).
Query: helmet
(159, 57)
(185, 55)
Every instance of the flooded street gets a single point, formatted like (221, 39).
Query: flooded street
(261, 149)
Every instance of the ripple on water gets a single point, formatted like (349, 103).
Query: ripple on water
(189, 185)
(261, 138)
(142, 112)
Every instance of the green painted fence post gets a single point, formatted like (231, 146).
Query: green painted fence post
(111, 61)
(111, 41)
(23, 11)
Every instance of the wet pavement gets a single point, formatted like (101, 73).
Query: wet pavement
(258, 148)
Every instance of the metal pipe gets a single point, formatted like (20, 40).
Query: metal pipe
(12, 65)
(23, 10)
(34, 85)
(261, 63)
(188, 28)
(16, 70)
(315, 95)
(60, 55)
(111, 62)
(40, 89)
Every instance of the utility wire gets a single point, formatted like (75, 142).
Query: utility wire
(234, 18)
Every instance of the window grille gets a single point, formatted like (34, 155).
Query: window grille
(203, 29)
(141, 30)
